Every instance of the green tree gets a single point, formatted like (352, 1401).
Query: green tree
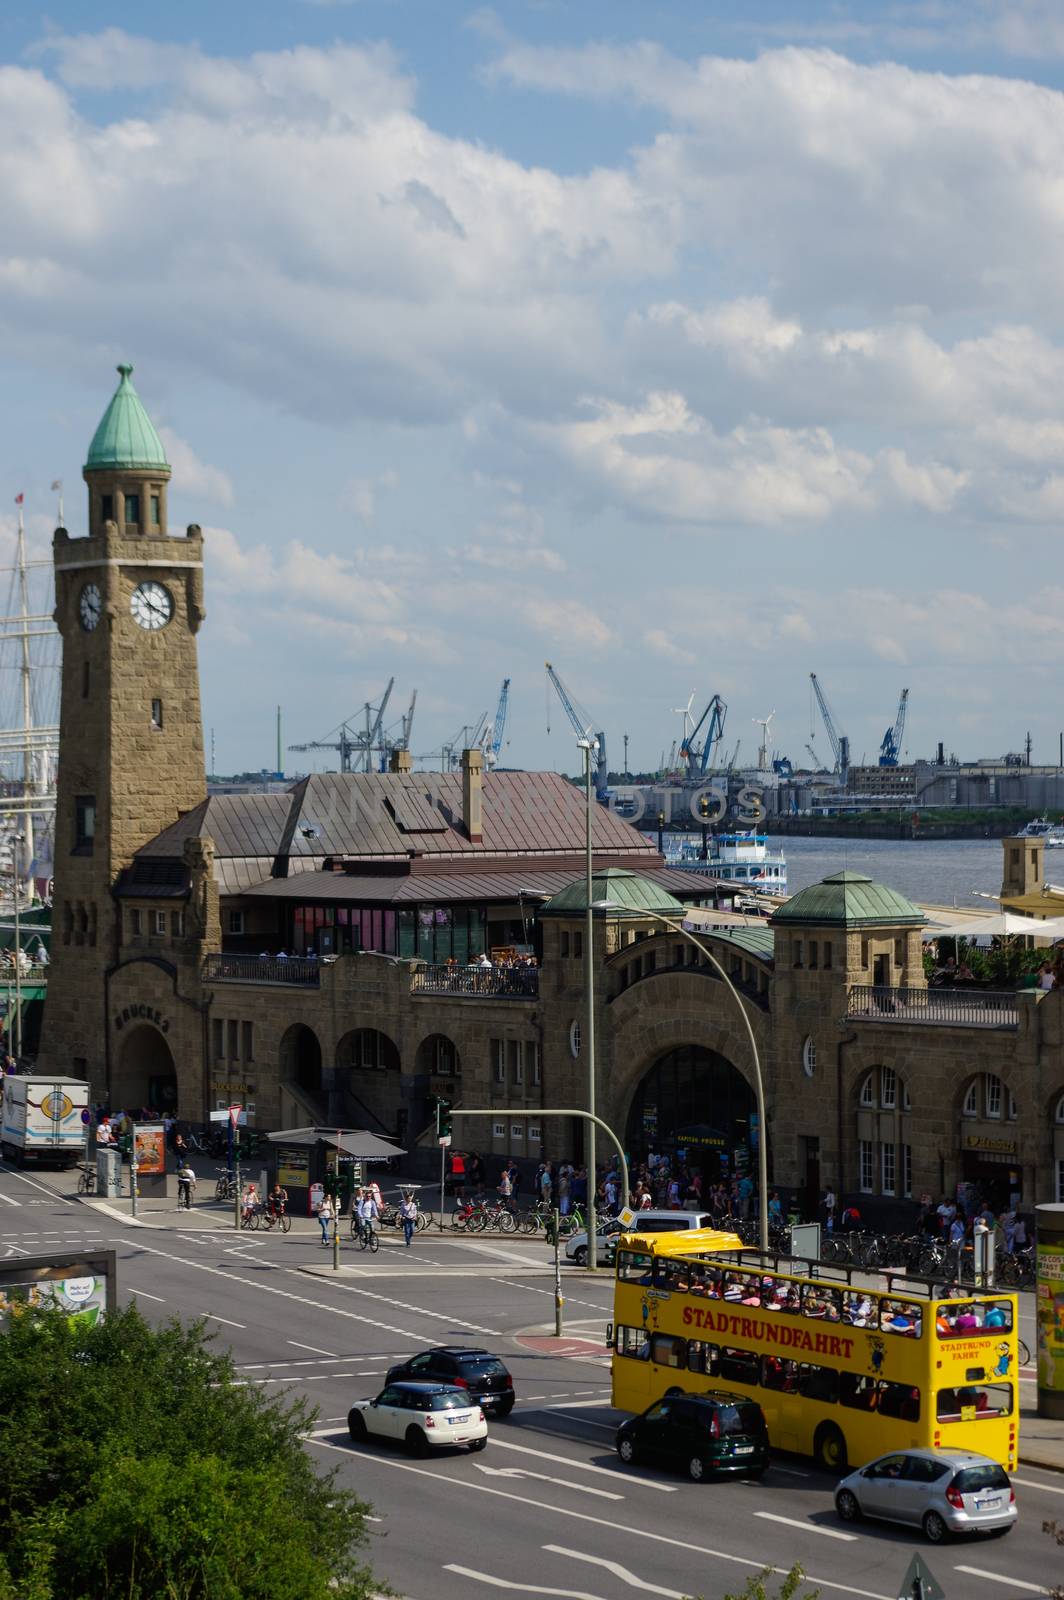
(134, 1465)
(756, 1587)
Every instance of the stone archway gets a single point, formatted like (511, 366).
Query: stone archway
(368, 1078)
(144, 1073)
(694, 1099)
(300, 1058)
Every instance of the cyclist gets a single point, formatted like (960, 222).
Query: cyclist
(368, 1211)
(249, 1201)
(186, 1182)
(275, 1204)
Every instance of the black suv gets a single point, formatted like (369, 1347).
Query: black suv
(479, 1371)
(704, 1433)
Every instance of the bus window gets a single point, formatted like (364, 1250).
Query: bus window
(738, 1366)
(823, 1303)
(859, 1309)
(818, 1383)
(703, 1358)
(699, 1284)
(633, 1268)
(791, 1301)
(962, 1319)
(901, 1316)
(632, 1342)
(772, 1294)
(858, 1390)
(675, 1276)
(780, 1374)
(974, 1402)
(741, 1288)
(668, 1350)
(998, 1316)
(899, 1400)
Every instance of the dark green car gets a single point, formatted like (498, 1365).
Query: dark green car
(706, 1435)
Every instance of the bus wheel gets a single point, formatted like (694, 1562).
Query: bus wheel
(829, 1448)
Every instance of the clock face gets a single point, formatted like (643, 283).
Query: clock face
(90, 607)
(152, 605)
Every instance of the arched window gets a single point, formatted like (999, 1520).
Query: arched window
(1058, 1114)
(985, 1097)
(809, 1056)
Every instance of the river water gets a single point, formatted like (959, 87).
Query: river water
(938, 871)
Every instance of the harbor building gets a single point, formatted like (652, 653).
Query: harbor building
(346, 949)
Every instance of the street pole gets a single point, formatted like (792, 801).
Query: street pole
(558, 1301)
(336, 1207)
(236, 1196)
(443, 1173)
(589, 957)
(19, 839)
(133, 1169)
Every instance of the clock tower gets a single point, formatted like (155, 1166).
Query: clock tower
(129, 603)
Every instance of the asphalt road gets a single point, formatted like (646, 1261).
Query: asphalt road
(546, 1510)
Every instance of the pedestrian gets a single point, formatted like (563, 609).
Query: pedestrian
(830, 1202)
(565, 1173)
(325, 1216)
(476, 1172)
(408, 1217)
(105, 1134)
(775, 1210)
(186, 1182)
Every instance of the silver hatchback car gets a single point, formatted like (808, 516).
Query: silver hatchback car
(941, 1491)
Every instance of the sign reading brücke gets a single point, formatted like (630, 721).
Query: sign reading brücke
(142, 1013)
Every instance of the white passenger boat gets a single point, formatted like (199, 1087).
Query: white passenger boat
(744, 857)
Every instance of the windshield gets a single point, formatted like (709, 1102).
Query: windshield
(483, 1367)
(971, 1479)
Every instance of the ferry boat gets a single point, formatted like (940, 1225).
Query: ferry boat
(744, 857)
(1050, 833)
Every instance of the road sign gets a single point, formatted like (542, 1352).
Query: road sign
(444, 1140)
(918, 1583)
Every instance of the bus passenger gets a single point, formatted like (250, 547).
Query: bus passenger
(997, 1317)
(733, 1286)
(712, 1282)
(967, 1320)
(771, 1295)
(943, 1321)
(792, 1303)
(698, 1280)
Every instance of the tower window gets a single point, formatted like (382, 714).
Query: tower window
(107, 507)
(155, 510)
(158, 924)
(132, 507)
(156, 713)
(84, 680)
(135, 923)
(84, 823)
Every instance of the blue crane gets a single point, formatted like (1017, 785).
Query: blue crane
(890, 749)
(582, 726)
(494, 741)
(699, 761)
(840, 744)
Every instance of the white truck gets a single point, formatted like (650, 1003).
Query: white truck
(42, 1120)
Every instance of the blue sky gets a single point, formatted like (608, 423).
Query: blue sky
(687, 352)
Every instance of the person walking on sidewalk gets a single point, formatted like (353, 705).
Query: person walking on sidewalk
(408, 1217)
(186, 1182)
(325, 1216)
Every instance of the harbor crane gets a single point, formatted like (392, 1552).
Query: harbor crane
(356, 748)
(582, 727)
(840, 744)
(890, 749)
(493, 742)
(700, 761)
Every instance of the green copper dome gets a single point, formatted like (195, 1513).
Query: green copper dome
(125, 437)
(848, 899)
(628, 893)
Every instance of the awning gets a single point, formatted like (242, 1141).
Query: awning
(352, 1141)
(1003, 925)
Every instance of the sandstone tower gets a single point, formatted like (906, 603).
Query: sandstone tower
(129, 602)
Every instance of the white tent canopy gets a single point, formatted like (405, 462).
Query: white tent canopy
(1005, 925)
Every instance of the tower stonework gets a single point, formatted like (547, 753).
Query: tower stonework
(129, 603)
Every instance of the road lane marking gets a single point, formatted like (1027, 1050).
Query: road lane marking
(524, 1588)
(8, 1200)
(227, 1320)
(402, 1305)
(563, 1483)
(1046, 1488)
(584, 1466)
(56, 1199)
(617, 1570)
(314, 1348)
(144, 1295)
(559, 1411)
(807, 1527)
(999, 1577)
(599, 1521)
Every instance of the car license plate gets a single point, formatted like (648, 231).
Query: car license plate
(744, 1449)
(459, 1421)
(988, 1505)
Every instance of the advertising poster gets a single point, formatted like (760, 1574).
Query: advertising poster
(1049, 1311)
(83, 1287)
(293, 1167)
(151, 1149)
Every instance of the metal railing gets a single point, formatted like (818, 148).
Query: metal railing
(297, 970)
(970, 1008)
(481, 983)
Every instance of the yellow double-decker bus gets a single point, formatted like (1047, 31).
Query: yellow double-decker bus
(842, 1373)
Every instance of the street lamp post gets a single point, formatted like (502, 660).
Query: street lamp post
(18, 841)
(759, 1087)
(588, 746)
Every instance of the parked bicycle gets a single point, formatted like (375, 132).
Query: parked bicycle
(225, 1188)
(87, 1180)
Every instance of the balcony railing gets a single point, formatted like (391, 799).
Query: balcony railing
(478, 983)
(297, 970)
(965, 1008)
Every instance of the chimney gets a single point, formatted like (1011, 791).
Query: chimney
(472, 793)
(400, 761)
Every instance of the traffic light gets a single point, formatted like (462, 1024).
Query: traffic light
(443, 1119)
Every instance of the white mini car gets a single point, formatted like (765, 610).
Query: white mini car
(423, 1416)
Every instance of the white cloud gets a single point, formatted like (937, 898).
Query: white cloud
(195, 477)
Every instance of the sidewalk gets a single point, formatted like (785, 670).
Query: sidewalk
(1041, 1440)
